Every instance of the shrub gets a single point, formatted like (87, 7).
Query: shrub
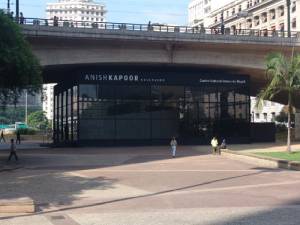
(27, 131)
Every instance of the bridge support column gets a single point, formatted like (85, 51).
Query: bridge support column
(297, 125)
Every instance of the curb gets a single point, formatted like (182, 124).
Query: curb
(18, 205)
(263, 161)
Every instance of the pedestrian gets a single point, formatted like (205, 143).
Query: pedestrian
(173, 144)
(214, 144)
(149, 26)
(18, 137)
(202, 29)
(22, 19)
(223, 145)
(55, 21)
(2, 137)
(13, 151)
(11, 15)
(222, 29)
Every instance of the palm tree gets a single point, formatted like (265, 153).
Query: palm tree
(283, 74)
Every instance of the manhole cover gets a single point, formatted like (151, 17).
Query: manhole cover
(57, 218)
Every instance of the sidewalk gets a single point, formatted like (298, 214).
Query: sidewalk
(263, 147)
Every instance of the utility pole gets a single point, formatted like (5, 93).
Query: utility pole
(17, 11)
(26, 106)
(8, 6)
(288, 3)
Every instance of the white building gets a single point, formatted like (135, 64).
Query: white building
(77, 10)
(199, 11)
(88, 11)
(266, 112)
(264, 15)
(48, 93)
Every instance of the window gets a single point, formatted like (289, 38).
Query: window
(294, 23)
(281, 10)
(265, 116)
(257, 116)
(272, 14)
(273, 116)
(294, 6)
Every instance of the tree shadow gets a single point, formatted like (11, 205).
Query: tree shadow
(63, 159)
(84, 206)
(49, 188)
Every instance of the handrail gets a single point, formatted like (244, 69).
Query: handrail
(155, 27)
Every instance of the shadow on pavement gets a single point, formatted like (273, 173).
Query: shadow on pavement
(49, 188)
(69, 159)
(135, 197)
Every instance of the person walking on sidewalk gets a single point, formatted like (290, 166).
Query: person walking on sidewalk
(2, 137)
(13, 150)
(18, 137)
(173, 144)
(214, 144)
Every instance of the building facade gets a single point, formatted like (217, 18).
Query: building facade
(199, 11)
(77, 10)
(265, 15)
(137, 105)
(265, 113)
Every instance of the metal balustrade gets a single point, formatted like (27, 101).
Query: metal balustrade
(155, 27)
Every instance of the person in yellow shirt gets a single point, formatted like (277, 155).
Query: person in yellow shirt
(214, 143)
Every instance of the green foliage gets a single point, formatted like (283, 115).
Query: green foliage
(27, 131)
(294, 156)
(13, 114)
(19, 68)
(283, 75)
(4, 120)
(283, 117)
(38, 120)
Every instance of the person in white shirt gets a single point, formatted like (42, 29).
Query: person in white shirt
(214, 143)
(173, 144)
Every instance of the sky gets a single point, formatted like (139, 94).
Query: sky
(131, 11)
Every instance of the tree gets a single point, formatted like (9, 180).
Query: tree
(19, 68)
(38, 120)
(283, 75)
(283, 117)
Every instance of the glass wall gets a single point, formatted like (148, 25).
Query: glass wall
(65, 114)
(90, 112)
(150, 114)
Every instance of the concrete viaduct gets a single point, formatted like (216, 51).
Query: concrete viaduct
(62, 48)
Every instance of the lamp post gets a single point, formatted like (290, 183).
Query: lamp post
(288, 4)
(17, 11)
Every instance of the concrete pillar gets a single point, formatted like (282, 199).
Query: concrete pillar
(297, 125)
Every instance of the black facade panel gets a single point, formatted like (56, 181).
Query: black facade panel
(263, 132)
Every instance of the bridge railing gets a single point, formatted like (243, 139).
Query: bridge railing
(155, 27)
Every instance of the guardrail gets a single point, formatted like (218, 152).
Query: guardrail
(156, 28)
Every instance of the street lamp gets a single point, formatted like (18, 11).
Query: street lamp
(288, 3)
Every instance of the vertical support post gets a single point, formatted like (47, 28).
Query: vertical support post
(288, 3)
(297, 125)
(26, 107)
(8, 6)
(17, 11)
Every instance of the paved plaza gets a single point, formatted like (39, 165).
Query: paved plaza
(144, 185)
